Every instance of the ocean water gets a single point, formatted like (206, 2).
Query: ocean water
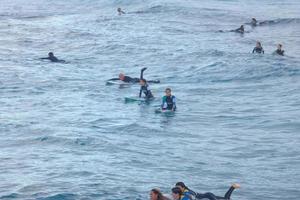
(66, 135)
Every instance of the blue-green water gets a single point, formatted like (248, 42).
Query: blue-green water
(66, 135)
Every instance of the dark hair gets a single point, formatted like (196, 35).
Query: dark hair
(159, 194)
(168, 89)
(181, 184)
(176, 190)
(280, 45)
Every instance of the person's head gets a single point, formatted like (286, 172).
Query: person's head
(143, 82)
(119, 10)
(121, 76)
(176, 193)
(181, 185)
(279, 46)
(242, 27)
(168, 92)
(155, 194)
(258, 44)
(50, 54)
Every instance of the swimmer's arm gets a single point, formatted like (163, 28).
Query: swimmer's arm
(142, 72)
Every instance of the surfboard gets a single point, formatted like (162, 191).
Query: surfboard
(137, 99)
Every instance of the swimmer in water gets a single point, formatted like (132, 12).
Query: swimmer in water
(52, 58)
(155, 194)
(258, 48)
(253, 22)
(168, 101)
(120, 11)
(240, 30)
(279, 50)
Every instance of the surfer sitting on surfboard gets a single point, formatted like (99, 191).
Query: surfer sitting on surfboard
(145, 90)
(168, 101)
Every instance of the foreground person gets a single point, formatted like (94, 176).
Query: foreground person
(168, 101)
(258, 48)
(187, 192)
(155, 194)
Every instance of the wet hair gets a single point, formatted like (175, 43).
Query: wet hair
(159, 194)
(177, 190)
(181, 184)
(254, 19)
(259, 43)
(280, 45)
(50, 53)
(169, 89)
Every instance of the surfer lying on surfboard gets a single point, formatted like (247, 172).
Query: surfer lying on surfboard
(128, 79)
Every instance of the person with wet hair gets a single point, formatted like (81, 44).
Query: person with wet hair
(187, 192)
(258, 48)
(145, 89)
(155, 194)
(177, 194)
(168, 101)
(52, 58)
(279, 50)
(120, 11)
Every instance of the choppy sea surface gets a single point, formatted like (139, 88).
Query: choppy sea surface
(66, 135)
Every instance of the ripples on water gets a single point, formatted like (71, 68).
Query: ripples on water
(65, 135)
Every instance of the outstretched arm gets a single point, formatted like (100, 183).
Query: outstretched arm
(142, 72)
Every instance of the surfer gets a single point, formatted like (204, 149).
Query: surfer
(177, 194)
(120, 11)
(253, 22)
(52, 58)
(279, 50)
(239, 30)
(145, 89)
(168, 101)
(187, 192)
(258, 48)
(128, 79)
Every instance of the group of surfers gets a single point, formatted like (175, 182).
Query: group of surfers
(182, 192)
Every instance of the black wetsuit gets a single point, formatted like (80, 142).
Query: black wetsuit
(258, 50)
(147, 92)
(280, 52)
(53, 59)
(211, 196)
(239, 30)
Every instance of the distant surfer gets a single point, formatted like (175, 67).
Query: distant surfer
(128, 79)
(52, 58)
(120, 11)
(155, 194)
(168, 101)
(279, 50)
(239, 30)
(258, 48)
(253, 22)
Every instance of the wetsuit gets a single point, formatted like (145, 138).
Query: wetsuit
(147, 92)
(239, 30)
(53, 59)
(279, 52)
(211, 196)
(258, 50)
(168, 103)
(128, 79)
